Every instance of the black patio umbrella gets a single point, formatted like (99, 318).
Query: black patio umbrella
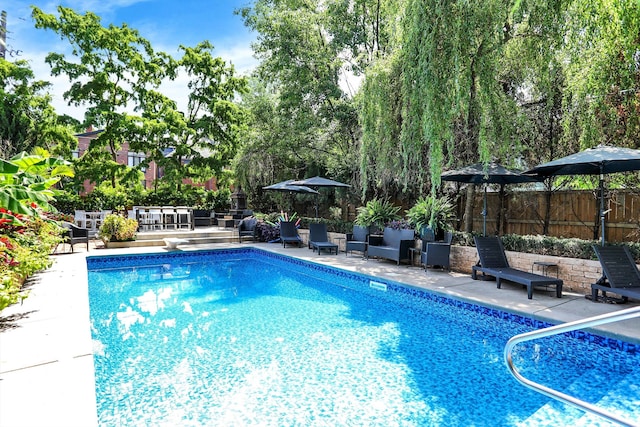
(599, 160)
(317, 182)
(493, 173)
(288, 187)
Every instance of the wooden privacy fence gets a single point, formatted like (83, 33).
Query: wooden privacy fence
(573, 214)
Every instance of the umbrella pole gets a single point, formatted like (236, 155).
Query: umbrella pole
(602, 206)
(484, 213)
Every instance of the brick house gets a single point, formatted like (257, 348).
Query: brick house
(130, 158)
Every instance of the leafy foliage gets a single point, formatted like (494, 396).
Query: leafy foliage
(377, 212)
(25, 245)
(116, 228)
(26, 180)
(302, 123)
(27, 119)
(435, 212)
(114, 66)
(114, 70)
(204, 139)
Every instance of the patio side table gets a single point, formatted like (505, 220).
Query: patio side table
(545, 266)
(412, 255)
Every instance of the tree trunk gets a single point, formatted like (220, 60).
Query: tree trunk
(468, 208)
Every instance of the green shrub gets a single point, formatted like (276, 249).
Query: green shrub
(67, 202)
(545, 245)
(24, 250)
(116, 228)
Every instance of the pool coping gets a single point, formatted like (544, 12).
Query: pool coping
(46, 362)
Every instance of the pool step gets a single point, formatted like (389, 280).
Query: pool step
(615, 400)
(619, 401)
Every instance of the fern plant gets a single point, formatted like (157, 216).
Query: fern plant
(377, 213)
(434, 212)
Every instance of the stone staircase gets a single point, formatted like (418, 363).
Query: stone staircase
(199, 235)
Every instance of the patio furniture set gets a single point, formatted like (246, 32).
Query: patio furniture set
(620, 274)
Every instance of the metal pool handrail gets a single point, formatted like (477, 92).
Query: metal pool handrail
(559, 329)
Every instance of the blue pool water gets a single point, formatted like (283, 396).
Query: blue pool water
(244, 337)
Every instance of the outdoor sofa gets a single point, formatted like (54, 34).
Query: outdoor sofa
(393, 244)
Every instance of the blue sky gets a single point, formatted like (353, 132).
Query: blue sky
(165, 23)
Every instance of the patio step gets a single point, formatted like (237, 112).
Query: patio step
(198, 236)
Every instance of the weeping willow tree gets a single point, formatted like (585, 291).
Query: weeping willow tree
(448, 105)
(602, 57)
(381, 119)
(453, 92)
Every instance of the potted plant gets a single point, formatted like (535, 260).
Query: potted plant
(116, 228)
(377, 213)
(432, 215)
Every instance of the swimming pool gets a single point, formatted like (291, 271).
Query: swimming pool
(246, 337)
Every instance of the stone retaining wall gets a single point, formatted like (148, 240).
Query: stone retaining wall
(577, 274)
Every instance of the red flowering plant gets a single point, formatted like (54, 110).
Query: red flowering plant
(26, 186)
(25, 244)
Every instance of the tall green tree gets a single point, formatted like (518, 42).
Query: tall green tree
(449, 92)
(110, 70)
(311, 54)
(27, 118)
(602, 57)
(203, 139)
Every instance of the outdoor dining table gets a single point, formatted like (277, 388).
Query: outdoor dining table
(163, 217)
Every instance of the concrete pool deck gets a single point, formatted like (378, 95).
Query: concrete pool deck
(46, 362)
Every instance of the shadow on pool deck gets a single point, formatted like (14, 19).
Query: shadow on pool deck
(46, 363)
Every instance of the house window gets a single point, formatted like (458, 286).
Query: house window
(134, 159)
(75, 154)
